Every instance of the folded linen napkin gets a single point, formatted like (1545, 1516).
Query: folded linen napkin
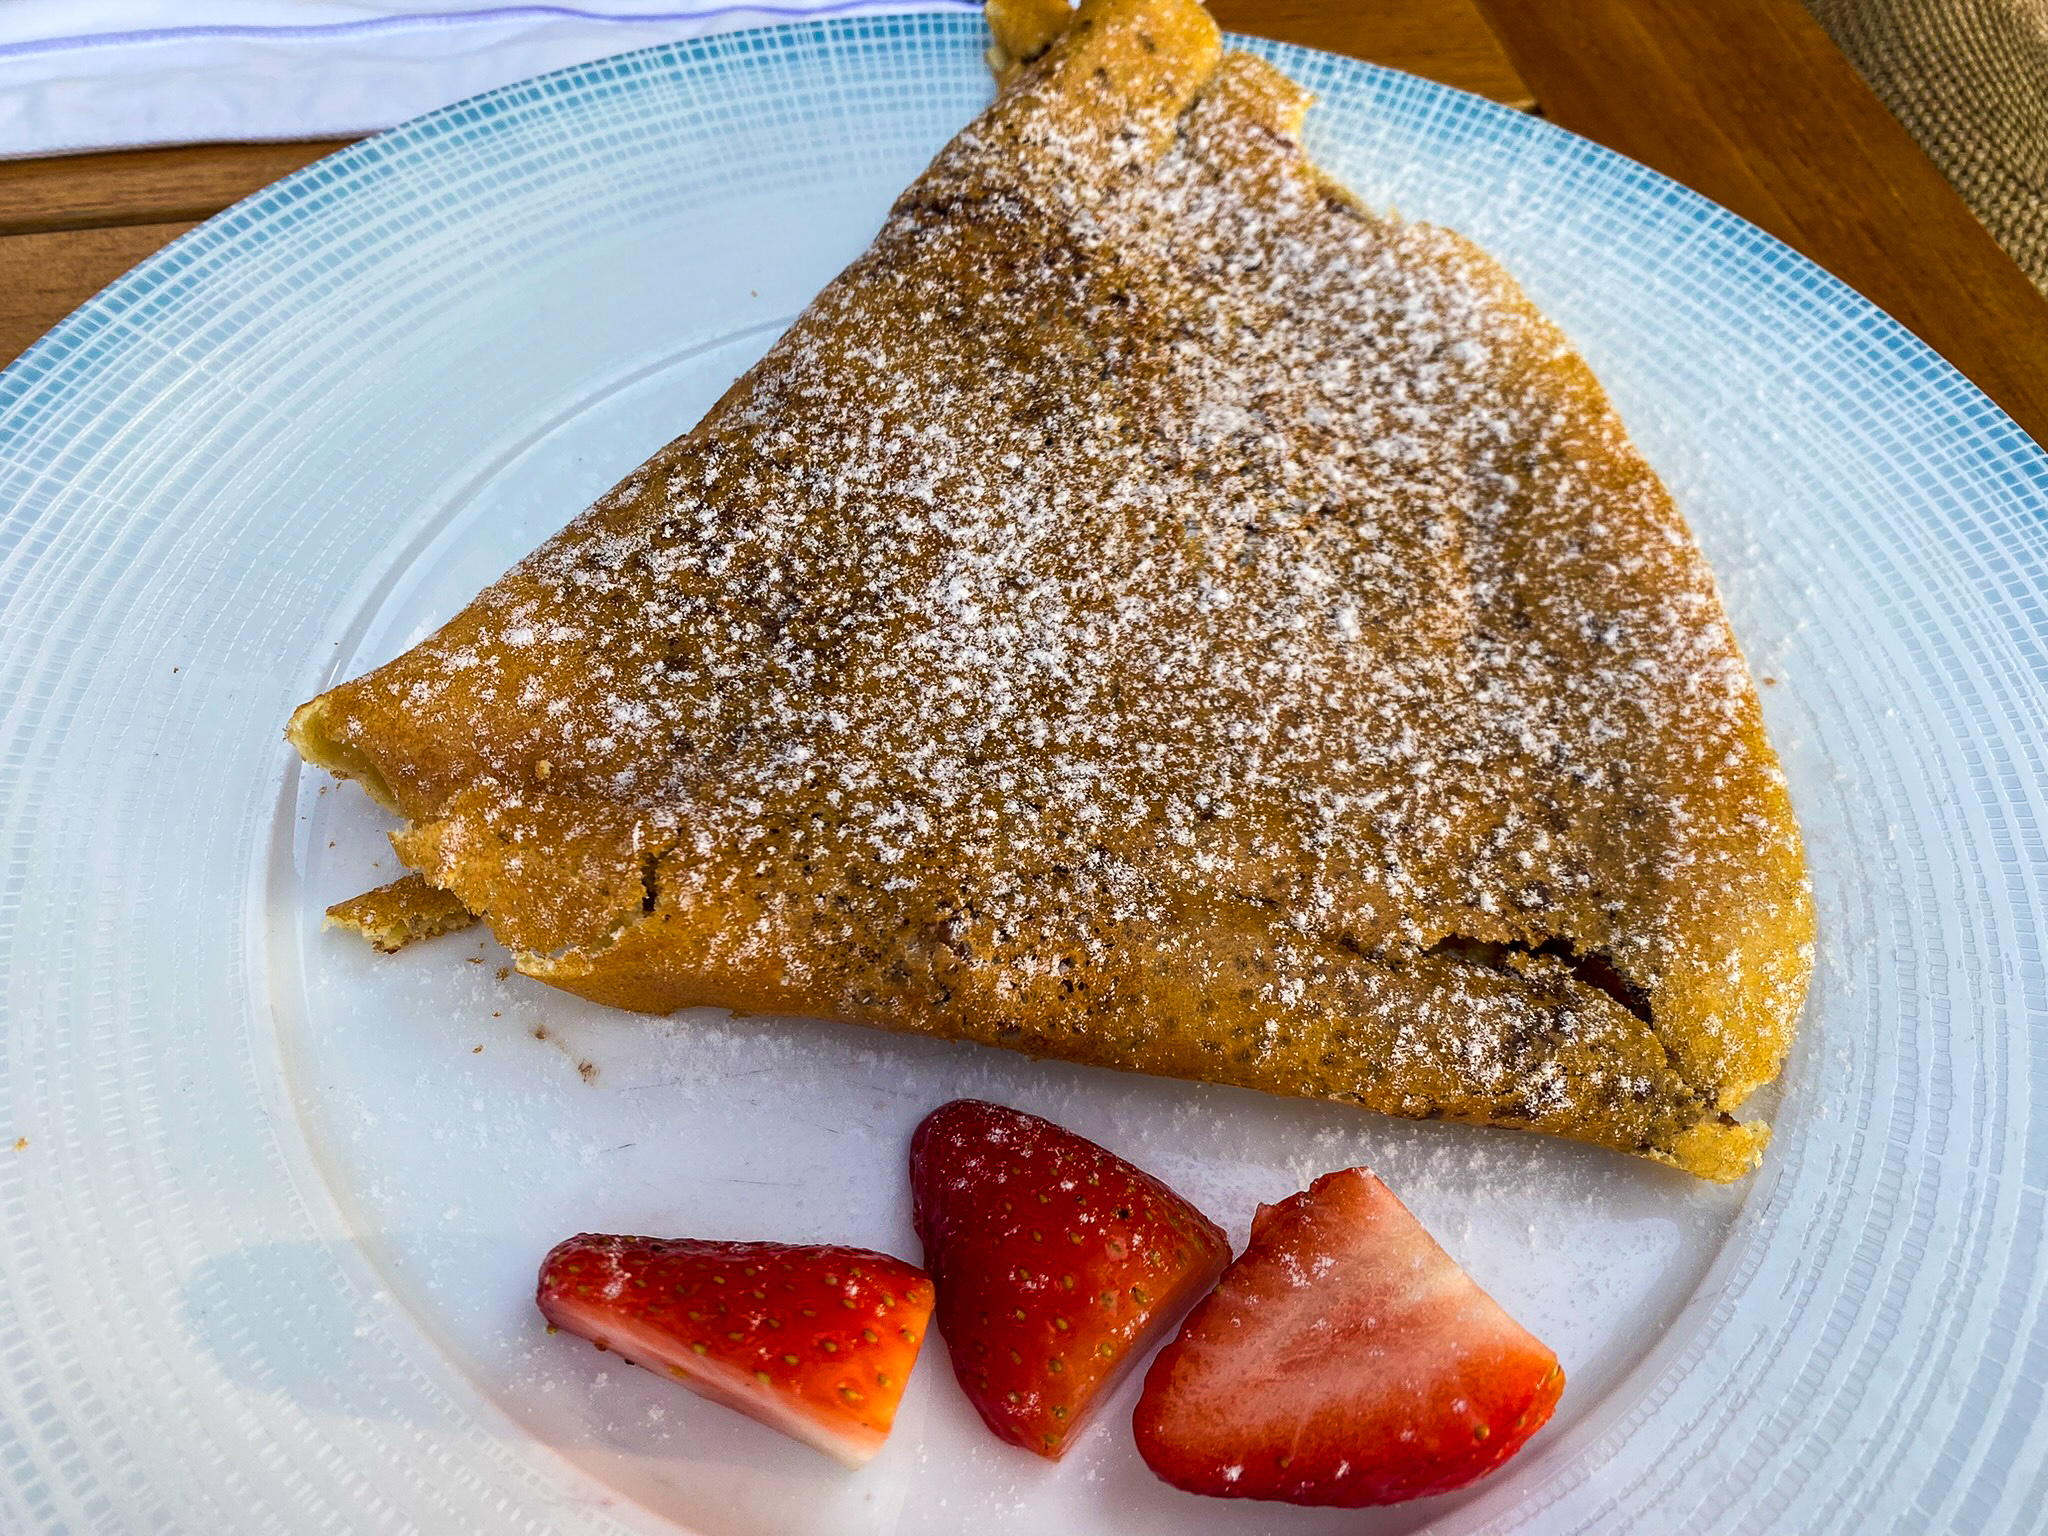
(101, 74)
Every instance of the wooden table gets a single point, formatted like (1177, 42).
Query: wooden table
(1749, 104)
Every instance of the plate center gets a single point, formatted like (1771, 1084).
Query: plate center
(469, 1118)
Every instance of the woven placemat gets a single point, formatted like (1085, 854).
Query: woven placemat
(1969, 80)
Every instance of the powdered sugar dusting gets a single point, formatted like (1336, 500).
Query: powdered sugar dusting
(1160, 549)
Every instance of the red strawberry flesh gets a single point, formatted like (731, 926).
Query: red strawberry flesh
(814, 1341)
(1344, 1359)
(1056, 1264)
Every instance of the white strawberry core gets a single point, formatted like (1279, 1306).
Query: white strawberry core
(822, 1427)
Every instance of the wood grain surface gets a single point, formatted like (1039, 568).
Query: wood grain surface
(1754, 106)
(43, 277)
(1443, 40)
(142, 186)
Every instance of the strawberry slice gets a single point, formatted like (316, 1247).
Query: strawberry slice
(814, 1341)
(1056, 1261)
(1344, 1359)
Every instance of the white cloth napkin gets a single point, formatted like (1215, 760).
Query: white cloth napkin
(98, 74)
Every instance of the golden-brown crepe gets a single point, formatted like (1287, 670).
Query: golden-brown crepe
(1152, 612)
(401, 913)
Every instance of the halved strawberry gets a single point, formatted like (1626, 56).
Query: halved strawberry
(1055, 1260)
(814, 1341)
(1344, 1359)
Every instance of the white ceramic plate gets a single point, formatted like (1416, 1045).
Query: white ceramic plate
(268, 1236)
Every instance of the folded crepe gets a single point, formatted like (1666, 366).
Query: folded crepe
(1148, 611)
